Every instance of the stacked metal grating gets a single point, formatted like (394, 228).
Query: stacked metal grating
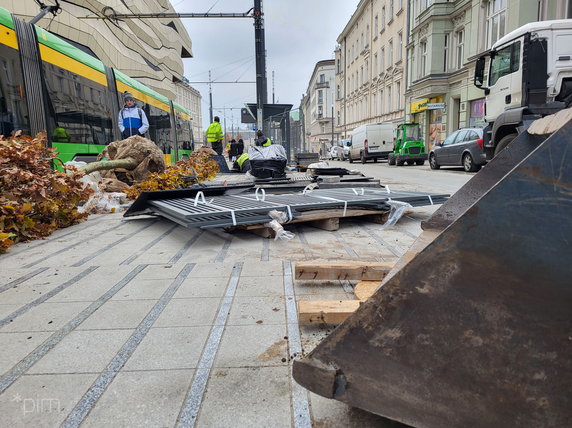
(253, 208)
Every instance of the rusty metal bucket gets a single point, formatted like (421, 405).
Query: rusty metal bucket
(476, 330)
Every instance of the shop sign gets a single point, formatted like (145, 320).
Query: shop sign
(420, 105)
(435, 106)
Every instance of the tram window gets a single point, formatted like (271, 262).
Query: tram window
(13, 109)
(159, 127)
(86, 119)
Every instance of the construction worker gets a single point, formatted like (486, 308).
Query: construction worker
(262, 140)
(242, 164)
(215, 135)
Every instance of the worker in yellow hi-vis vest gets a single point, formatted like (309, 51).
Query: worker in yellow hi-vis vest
(215, 135)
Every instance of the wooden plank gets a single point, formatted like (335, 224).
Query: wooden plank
(367, 271)
(364, 289)
(326, 224)
(325, 311)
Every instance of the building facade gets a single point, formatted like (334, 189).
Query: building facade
(191, 99)
(149, 50)
(318, 108)
(445, 39)
(370, 66)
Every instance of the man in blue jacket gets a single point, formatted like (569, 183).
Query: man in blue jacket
(132, 119)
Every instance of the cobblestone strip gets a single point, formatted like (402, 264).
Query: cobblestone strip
(192, 404)
(300, 405)
(11, 376)
(88, 401)
(46, 296)
(186, 247)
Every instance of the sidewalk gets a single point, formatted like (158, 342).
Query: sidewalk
(145, 323)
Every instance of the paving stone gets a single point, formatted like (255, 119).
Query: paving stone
(141, 399)
(169, 348)
(45, 317)
(16, 346)
(117, 314)
(202, 287)
(82, 352)
(42, 400)
(257, 310)
(247, 397)
(253, 345)
(212, 270)
(263, 286)
(257, 268)
(143, 289)
(188, 312)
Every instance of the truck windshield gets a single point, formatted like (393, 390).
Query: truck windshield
(412, 133)
(505, 61)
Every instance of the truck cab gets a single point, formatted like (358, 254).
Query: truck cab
(408, 146)
(529, 76)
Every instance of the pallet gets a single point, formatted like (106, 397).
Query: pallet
(323, 219)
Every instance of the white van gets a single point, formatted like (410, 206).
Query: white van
(344, 153)
(372, 141)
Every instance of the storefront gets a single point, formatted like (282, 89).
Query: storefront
(430, 114)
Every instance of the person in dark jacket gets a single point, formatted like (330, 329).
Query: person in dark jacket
(132, 119)
(262, 140)
(239, 147)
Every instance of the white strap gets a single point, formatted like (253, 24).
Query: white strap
(361, 193)
(430, 199)
(308, 189)
(200, 195)
(387, 189)
(290, 216)
(263, 194)
(233, 217)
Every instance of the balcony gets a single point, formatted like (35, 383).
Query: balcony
(321, 85)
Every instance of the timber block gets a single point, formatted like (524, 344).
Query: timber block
(365, 289)
(326, 311)
(369, 271)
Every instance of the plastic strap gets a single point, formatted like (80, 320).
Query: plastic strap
(430, 199)
(387, 189)
(308, 189)
(290, 216)
(263, 194)
(200, 195)
(359, 193)
(233, 217)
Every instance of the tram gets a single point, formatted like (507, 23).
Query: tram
(46, 83)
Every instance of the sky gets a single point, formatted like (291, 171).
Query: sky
(298, 34)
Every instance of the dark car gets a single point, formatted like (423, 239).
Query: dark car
(462, 148)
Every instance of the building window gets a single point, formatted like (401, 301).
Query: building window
(399, 45)
(391, 10)
(339, 119)
(322, 78)
(338, 92)
(381, 111)
(320, 96)
(389, 105)
(367, 36)
(390, 54)
(375, 65)
(375, 25)
(361, 75)
(399, 5)
(382, 61)
(383, 18)
(362, 42)
(446, 52)
(366, 71)
(320, 112)
(460, 36)
(423, 57)
(398, 94)
(374, 104)
(496, 21)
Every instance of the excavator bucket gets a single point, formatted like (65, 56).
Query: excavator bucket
(476, 329)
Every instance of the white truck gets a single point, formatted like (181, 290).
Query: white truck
(371, 141)
(529, 76)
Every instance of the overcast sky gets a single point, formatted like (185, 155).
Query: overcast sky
(299, 33)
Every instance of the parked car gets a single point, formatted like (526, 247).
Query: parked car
(462, 148)
(334, 152)
(371, 141)
(344, 153)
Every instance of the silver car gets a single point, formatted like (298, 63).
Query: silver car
(462, 148)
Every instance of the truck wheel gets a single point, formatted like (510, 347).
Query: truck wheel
(399, 161)
(375, 160)
(505, 141)
(433, 162)
(420, 162)
(363, 159)
(468, 163)
(350, 159)
(391, 159)
(410, 162)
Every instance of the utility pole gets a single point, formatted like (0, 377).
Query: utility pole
(261, 84)
(273, 102)
(210, 97)
(332, 125)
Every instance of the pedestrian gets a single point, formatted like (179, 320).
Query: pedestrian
(215, 135)
(132, 119)
(239, 147)
(233, 150)
(262, 140)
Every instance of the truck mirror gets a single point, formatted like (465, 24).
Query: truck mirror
(479, 72)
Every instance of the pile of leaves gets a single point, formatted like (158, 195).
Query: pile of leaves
(199, 167)
(35, 200)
